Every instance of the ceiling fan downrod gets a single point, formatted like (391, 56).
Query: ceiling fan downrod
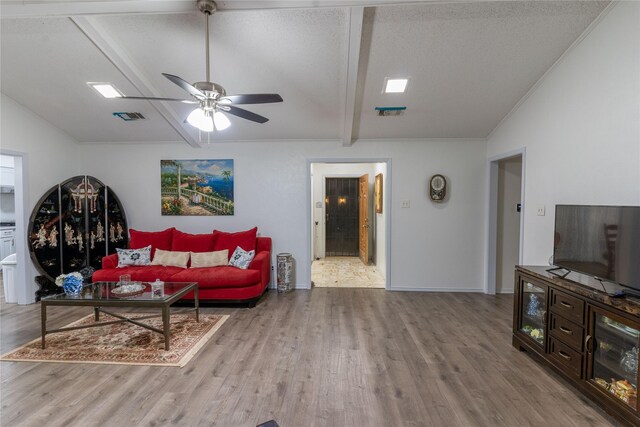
(208, 8)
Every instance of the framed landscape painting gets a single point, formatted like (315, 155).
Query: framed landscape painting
(197, 187)
(377, 192)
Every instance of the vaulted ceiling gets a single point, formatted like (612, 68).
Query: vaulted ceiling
(468, 63)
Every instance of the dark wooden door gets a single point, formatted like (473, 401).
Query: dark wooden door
(341, 227)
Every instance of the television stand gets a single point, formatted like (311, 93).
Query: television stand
(583, 334)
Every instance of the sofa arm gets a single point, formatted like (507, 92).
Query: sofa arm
(110, 261)
(262, 262)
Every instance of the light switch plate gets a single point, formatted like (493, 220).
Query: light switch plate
(541, 210)
(406, 203)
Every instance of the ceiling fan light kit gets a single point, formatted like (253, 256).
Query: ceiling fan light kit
(207, 120)
(214, 104)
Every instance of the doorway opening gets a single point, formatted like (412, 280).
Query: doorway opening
(341, 217)
(348, 235)
(13, 227)
(506, 220)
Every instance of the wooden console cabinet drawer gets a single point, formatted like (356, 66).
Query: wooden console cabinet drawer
(569, 358)
(567, 332)
(567, 306)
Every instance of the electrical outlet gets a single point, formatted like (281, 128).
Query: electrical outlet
(541, 210)
(406, 204)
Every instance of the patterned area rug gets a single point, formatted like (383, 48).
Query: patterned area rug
(123, 343)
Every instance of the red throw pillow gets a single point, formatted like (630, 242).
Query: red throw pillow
(186, 242)
(245, 239)
(157, 239)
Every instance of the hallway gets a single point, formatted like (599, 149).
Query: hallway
(345, 272)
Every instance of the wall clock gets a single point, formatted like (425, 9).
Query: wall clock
(437, 188)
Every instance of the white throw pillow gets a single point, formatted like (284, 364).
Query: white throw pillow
(140, 256)
(170, 258)
(241, 258)
(209, 259)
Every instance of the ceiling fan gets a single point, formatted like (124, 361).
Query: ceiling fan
(212, 98)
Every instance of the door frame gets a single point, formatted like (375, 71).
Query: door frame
(386, 202)
(492, 215)
(25, 289)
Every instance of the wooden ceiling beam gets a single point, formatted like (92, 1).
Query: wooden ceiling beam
(116, 55)
(356, 18)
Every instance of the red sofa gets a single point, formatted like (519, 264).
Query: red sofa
(215, 284)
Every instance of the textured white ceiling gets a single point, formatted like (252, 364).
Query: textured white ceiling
(468, 63)
(46, 64)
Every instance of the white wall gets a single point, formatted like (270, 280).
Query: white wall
(48, 156)
(433, 246)
(581, 129)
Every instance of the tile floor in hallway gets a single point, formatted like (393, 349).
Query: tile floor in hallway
(345, 272)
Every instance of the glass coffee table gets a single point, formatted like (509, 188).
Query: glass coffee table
(110, 294)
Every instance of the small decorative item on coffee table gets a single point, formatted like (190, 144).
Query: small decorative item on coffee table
(131, 289)
(157, 289)
(71, 283)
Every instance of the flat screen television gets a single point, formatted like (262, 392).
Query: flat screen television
(599, 241)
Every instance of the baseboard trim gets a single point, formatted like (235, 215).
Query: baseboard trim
(412, 289)
(303, 287)
(298, 286)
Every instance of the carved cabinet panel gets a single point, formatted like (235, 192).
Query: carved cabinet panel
(74, 225)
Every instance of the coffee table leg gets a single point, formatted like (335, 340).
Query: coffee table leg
(165, 324)
(96, 313)
(43, 317)
(195, 295)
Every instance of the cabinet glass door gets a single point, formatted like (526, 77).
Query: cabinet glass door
(534, 310)
(615, 358)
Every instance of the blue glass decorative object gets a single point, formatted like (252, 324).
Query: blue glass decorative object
(72, 285)
(532, 309)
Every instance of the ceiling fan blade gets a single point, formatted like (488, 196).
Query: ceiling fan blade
(241, 112)
(186, 101)
(257, 98)
(185, 85)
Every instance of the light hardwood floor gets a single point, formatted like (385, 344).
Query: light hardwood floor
(325, 357)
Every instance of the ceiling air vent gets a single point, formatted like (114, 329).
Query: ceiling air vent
(390, 111)
(127, 117)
